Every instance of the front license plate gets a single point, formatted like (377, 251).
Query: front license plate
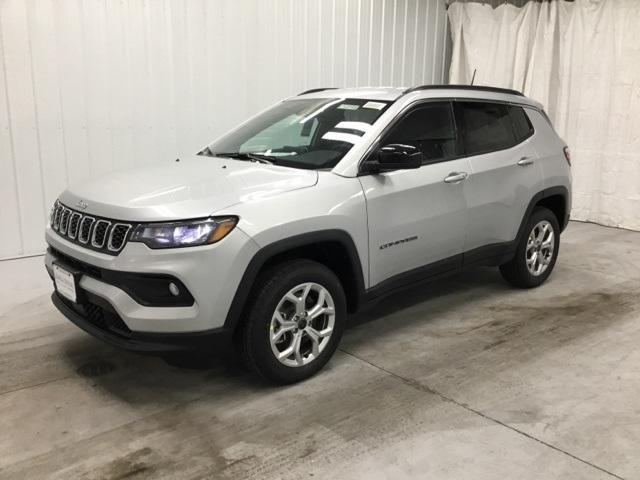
(65, 283)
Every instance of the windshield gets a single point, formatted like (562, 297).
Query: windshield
(301, 133)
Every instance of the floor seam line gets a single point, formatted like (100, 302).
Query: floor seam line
(604, 226)
(26, 387)
(423, 388)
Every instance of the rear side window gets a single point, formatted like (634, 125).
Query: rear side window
(522, 127)
(430, 128)
(486, 127)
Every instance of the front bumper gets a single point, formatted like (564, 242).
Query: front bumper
(103, 323)
(210, 273)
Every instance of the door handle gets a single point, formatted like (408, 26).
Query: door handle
(524, 161)
(456, 177)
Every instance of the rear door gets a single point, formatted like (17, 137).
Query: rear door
(418, 217)
(504, 175)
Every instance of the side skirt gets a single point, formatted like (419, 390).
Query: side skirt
(489, 255)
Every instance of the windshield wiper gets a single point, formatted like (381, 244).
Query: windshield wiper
(253, 157)
(206, 151)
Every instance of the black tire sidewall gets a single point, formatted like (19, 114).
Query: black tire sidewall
(273, 285)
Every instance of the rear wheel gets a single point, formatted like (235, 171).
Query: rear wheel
(536, 252)
(294, 325)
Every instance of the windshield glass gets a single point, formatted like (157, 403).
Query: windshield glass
(301, 133)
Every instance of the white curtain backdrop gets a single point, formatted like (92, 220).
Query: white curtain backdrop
(581, 60)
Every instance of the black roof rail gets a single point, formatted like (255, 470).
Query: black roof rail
(314, 90)
(479, 88)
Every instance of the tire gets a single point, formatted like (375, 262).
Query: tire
(516, 271)
(261, 324)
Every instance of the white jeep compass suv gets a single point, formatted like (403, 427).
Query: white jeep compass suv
(270, 235)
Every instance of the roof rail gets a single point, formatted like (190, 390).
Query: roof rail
(314, 90)
(465, 87)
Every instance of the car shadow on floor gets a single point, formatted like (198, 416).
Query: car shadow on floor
(450, 328)
(473, 284)
(493, 324)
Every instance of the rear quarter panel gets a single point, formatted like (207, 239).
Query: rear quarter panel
(549, 149)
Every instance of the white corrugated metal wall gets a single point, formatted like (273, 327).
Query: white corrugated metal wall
(87, 86)
(496, 3)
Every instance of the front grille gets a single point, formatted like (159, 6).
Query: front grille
(64, 220)
(95, 314)
(100, 234)
(74, 223)
(102, 317)
(85, 229)
(117, 236)
(57, 213)
(105, 319)
(90, 270)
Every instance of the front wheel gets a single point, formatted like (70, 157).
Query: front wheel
(536, 252)
(295, 322)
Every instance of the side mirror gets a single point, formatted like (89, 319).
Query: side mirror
(395, 156)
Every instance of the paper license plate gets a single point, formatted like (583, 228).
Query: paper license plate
(65, 283)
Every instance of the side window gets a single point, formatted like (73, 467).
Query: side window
(430, 128)
(521, 124)
(486, 127)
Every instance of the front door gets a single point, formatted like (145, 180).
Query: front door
(418, 218)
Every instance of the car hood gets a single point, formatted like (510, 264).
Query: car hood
(189, 188)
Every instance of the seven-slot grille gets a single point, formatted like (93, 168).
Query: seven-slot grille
(101, 234)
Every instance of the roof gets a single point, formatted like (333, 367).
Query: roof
(434, 91)
(370, 93)
(477, 88)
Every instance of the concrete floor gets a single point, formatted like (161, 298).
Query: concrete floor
(464, 378)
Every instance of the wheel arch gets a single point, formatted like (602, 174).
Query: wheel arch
(555, 199)
(333, 248)
(557, 203)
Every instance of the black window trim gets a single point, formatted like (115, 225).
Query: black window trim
(459, 148)
(532, 129)
(458, 113)
(456, 136)
(412, 107)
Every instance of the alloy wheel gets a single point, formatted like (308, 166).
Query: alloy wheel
(540, 248)
(302, 324)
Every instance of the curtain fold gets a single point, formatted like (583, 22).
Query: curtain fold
(581, 60)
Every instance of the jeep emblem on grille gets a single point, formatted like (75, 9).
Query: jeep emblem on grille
(82, 204)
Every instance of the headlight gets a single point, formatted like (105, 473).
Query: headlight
(184, 234)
